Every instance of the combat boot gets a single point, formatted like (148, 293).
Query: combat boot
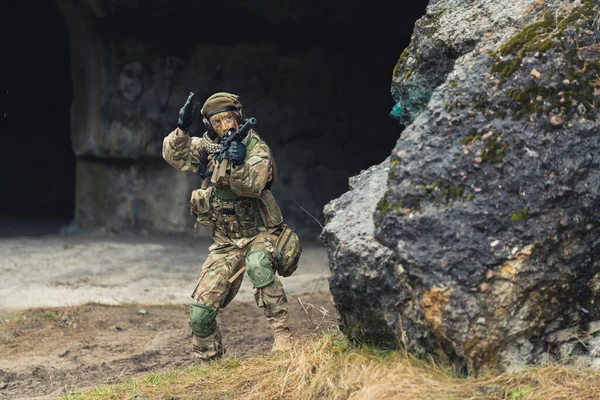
(281, 333)
(209, 347)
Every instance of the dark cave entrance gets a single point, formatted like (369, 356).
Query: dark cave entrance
(362, 42)
(357, 45)
(359, 42)
(38, 165)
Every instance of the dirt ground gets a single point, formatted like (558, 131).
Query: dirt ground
(81, 311)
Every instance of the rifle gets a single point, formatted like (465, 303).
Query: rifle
(230, 137)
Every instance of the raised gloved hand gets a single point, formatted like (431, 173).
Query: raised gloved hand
(188, 112)
(236, 153)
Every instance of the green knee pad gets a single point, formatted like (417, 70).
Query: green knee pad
(203, 319)
(259, 268)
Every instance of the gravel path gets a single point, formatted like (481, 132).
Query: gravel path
(57, 270)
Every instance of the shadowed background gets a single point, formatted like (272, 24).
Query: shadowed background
(93, 87)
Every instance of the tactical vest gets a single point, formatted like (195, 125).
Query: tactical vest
(236, 216)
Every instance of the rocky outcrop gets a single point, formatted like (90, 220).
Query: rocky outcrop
(491, 200)
(368, 284)
(351, 246)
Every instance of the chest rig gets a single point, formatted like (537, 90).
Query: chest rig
(233, 215)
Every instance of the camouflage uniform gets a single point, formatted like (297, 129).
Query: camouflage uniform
(246, 223)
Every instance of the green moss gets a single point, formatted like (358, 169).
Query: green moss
(453, 192)
(531, 100)
(469, 197)
(446, 196)
(535, 99)
(494, 152)
(397, 206)
(540, 36)
(479, 101)
(408, 73)
(427, 25)
(383, 206)
(467, 139)
(527, 40)
(403, 54)
(452, 83)
(500, 114)
(470, 137)
(397, 66)
(394, 162)
(520, 216)
(430, 187)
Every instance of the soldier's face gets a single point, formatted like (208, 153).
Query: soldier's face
(222, 122)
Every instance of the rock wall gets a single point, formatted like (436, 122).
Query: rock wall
(490, 206)
(134, 64)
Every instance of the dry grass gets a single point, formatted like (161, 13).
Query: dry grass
(556, 382)
(595, 82)
(328, 367)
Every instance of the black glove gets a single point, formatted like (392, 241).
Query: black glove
(203, 173)
(236, 153)
(187, 113)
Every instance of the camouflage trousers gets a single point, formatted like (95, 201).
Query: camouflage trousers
(215, 290)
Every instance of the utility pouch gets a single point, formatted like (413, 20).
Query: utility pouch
(269, 210)
(200, 206)
(288, 251)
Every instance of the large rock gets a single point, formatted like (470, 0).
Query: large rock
(491, 203)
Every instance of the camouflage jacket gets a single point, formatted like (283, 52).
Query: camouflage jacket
(247, 180)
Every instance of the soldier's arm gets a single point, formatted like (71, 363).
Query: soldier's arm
(250, 178)
(182, 151)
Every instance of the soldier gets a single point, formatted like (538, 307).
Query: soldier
(247, 225)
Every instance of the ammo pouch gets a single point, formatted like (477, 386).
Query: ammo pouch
(288, 251)
(232, 215)
(236, 219)
(200, 206)
(269, 210)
